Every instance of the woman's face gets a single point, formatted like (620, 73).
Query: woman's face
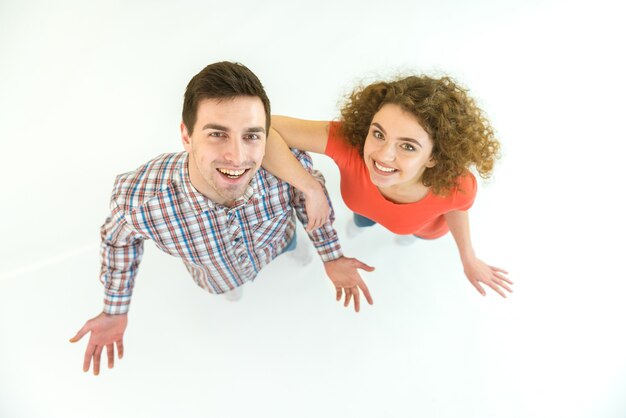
(397, 149)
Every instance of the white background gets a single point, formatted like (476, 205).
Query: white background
(92, 89)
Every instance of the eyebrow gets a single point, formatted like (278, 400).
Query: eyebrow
(414, 141)
(226, 129)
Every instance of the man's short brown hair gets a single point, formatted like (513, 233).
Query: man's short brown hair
(222, 80)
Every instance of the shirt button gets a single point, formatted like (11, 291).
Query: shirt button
(242, 258)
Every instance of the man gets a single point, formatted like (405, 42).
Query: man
(211, 206)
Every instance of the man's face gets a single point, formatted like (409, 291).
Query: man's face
(226, 147)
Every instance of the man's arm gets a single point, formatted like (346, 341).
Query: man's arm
(121, 251)
(342, 271)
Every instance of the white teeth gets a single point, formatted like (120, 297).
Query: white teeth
(385, 169)
(231, 173)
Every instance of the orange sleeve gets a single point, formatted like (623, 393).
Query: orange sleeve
(466, 192)
(337, 147)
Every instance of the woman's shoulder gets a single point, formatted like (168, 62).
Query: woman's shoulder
(466, 183)
(338, 146)
(464, 192)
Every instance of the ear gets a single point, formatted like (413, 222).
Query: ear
(184, 135)
(431, 162)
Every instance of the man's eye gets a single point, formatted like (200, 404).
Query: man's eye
(217, 134)
(252, 137)
(408, 147)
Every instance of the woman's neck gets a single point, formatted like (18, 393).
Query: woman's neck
(405, 193)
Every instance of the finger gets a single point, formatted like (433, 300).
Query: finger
(479, 288)
(88, 355)
(363, 266)
(310, 226)
(348, 293)
(120, 348)
(110, 356)
(497, 289)
(96, 360)
(501, 277)
(366, 292)
(338, 289)
(498, 269)
(80, 334)
(357, 299)
(504, 285)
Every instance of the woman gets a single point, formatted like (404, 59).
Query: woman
(404, 149)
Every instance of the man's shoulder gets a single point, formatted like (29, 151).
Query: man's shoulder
(134, 188)
(267, 180)
(303, 156)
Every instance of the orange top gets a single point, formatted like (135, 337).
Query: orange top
(423, 218)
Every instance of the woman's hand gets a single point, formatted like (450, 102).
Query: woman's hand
(316, 206)
(478, 272)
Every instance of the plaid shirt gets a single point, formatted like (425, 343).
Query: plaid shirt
(222, 247)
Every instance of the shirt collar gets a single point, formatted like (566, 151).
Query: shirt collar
(197, 200)
(254, 189)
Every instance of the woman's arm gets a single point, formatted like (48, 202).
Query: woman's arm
(306, 136)
(475, 269)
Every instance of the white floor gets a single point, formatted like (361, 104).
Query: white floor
(89, 91)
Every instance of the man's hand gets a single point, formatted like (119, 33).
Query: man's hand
(344, 275)
(479, 272)
(316, 206)
(105, 330)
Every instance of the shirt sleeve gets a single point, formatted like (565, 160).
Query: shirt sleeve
(466, 192)
(121, 249)
(337, 147)
(325, 238)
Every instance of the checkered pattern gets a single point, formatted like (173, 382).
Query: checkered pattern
(222, 247)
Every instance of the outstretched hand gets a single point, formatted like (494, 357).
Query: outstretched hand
(316, 206)
(344, 275)
(478, 272)
(106, 330)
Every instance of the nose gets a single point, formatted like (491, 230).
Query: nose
(234, 152)
(387, 151)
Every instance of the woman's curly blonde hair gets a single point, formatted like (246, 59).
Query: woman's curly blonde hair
(461, 134)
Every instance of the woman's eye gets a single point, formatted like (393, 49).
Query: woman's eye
(408, 147)
(378, 135)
